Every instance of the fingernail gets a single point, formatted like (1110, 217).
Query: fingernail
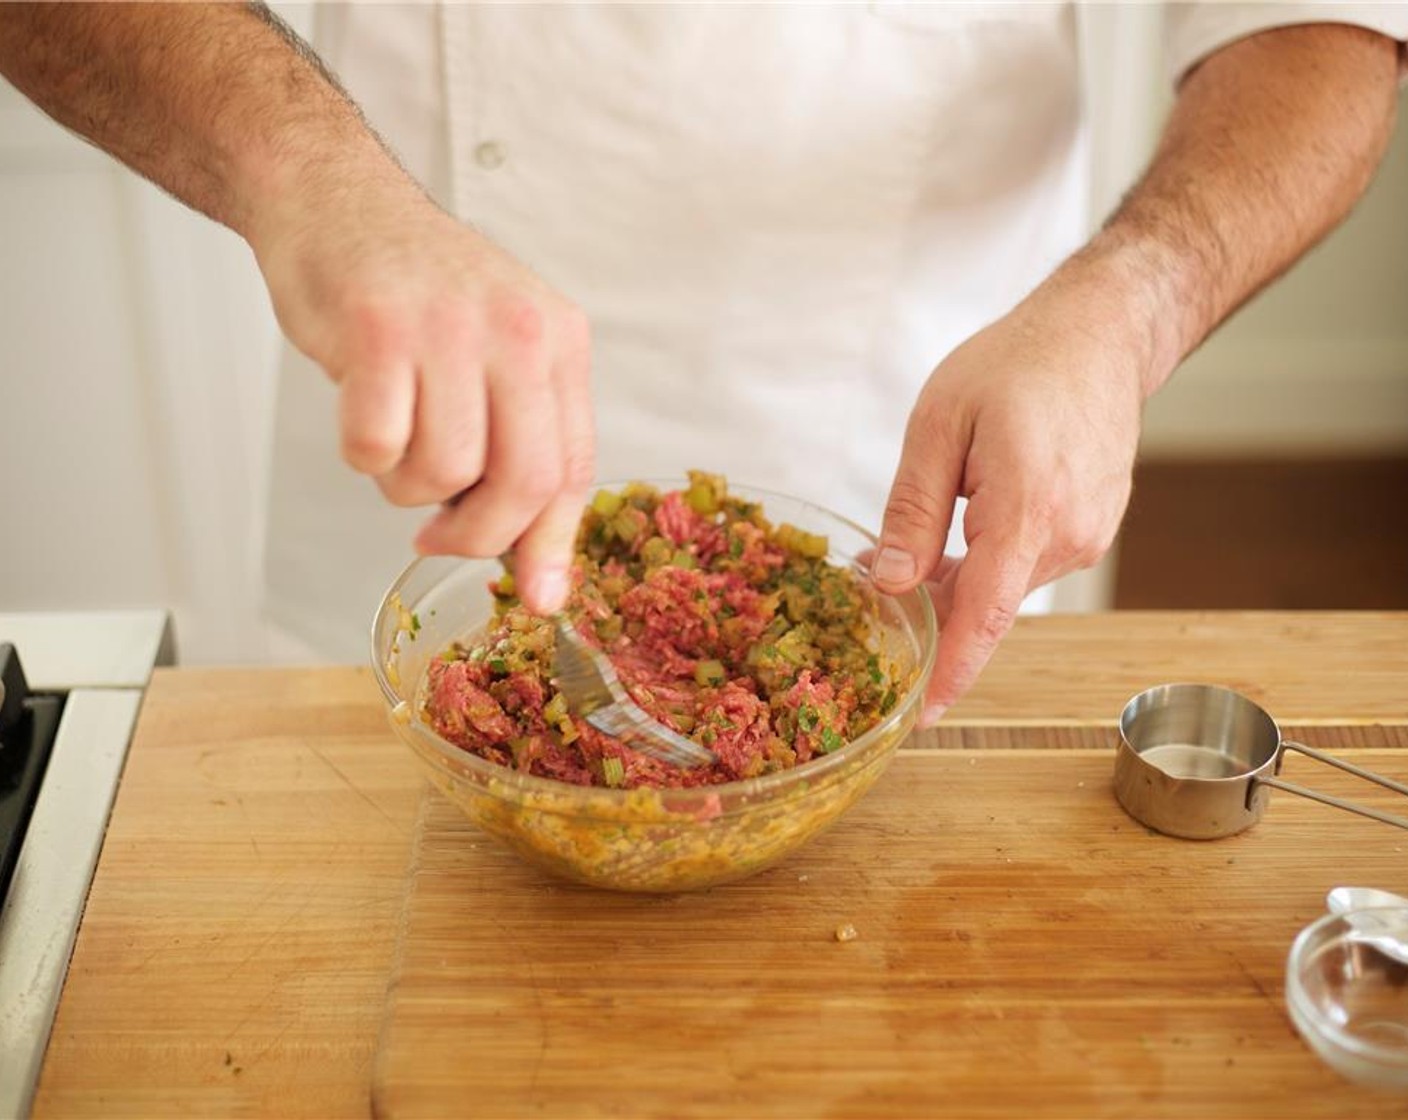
(551, 589)
(892, 565)
(932, 715)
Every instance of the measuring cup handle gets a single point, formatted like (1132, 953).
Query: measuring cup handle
(1348, 767)
(1337, 802)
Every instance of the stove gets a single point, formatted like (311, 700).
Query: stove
(72, 684)
(28, 724)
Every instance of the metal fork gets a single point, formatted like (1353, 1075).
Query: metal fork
(588, 681)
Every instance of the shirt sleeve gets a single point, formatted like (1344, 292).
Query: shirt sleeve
(1192, 31)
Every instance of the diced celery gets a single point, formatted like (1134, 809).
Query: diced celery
(612, 587)
(628, 523)
(683, 721)
(613, 772)
(609, 629)
(709, 673)
(640, 493)
(700, 500)
(796, 602)
(813, 546)
(607, 503)
(656, 551)
(795, 646)
(706, 492)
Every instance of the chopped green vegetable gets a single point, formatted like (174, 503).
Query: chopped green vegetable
(609, 629)
(607, 503)
(628, 523)
(710, 673)
(831, 740)
(613, 772)
(683, 720)
(796, 647)
(656, 551)
(811, 545)
(641, 494)
(706, 492)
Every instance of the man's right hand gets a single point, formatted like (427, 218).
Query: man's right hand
(463, 375)
(464, 378)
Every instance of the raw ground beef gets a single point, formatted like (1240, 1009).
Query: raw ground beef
(734, 632)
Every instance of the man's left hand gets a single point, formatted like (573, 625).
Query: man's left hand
(1035, 421)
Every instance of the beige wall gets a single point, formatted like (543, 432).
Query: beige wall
(1318, 363)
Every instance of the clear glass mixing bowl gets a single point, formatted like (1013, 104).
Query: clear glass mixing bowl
(641, 840)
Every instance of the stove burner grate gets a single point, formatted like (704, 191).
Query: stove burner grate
(28, 723)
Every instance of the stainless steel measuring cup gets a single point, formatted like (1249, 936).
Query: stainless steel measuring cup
(1199, 761)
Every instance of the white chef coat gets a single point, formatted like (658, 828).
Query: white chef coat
(778, 218)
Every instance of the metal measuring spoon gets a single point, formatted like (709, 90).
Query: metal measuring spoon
(1388, 933)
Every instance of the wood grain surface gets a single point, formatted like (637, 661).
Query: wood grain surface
(234, 952)
(240, 931)
(1023, 948)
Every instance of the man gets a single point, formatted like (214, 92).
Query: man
(775, 220)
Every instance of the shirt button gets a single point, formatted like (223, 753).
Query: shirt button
(490, 155)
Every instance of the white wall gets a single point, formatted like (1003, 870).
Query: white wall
(137, 370)
(1318, 364)
(137, 354)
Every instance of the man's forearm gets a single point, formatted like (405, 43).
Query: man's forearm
(1271, 142)
(219, 104)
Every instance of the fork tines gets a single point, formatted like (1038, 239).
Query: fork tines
(588, 681)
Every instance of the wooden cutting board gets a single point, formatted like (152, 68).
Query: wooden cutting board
(1023, 948)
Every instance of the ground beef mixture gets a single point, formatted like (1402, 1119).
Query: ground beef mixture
(736, 633)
